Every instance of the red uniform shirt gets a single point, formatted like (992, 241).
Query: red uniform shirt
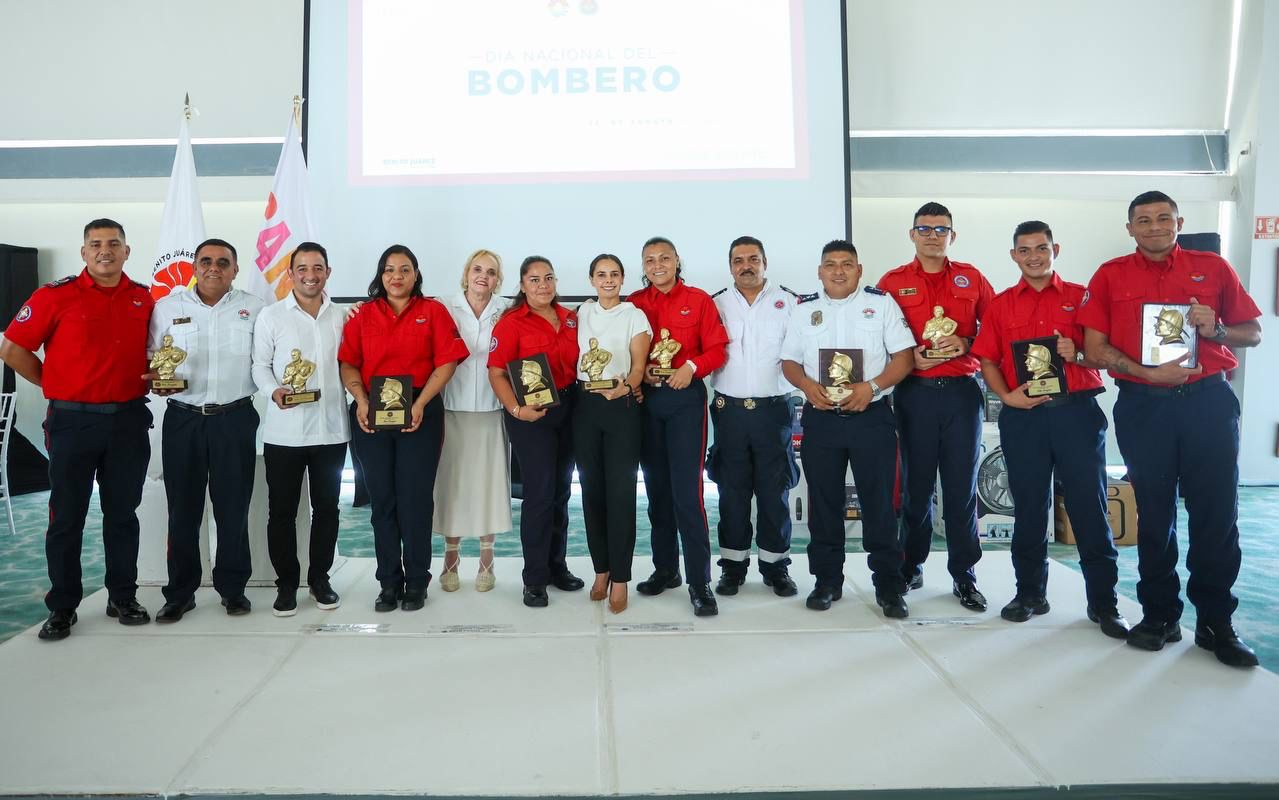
(693, 320)
(94, 338)
(963, 293)
(521, 333)
(1112, 304)
(421, 338)
(1023, 313)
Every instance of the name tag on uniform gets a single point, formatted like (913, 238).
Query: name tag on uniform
(906, 292)
(181, 320)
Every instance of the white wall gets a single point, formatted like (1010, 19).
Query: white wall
(921, 64)
(93, 70)
(1254, 125)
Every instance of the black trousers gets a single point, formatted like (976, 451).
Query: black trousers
(285, 466)
(114, 449)
(867, 442)
(400, 469)
(545, 452)
(753, 458)
(940, 431)
(672, 457)
(1189, 441)
(606, 444)
(1069, 440)
(216, 453)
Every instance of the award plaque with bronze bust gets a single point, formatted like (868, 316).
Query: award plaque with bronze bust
(165, 363)
(390, 398)
(1039, 366)
(840, 368)
(593, 362)
(532, 382)
(664, 349)
(934, 329)
(296, 373)
(1166, 336)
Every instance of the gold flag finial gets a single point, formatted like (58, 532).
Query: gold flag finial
(186, 106)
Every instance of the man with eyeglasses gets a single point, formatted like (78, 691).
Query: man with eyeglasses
(210, 429)
(939, 405)
(751, 413)
(1177, 426)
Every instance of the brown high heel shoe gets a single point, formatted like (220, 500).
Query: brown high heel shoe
(617, 606)
(598, 594)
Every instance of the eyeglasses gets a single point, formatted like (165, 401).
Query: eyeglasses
(929, 230)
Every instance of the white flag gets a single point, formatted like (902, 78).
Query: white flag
(182, 225)
(287, 224)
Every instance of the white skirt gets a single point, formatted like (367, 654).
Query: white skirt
(473, 485)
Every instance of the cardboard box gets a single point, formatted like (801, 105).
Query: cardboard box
(1121, 512)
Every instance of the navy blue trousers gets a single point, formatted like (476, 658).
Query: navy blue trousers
(940, 431)
(1070, 440)
(1188, 440)
(753, 458)
(672, 456)
(868, 442)
(399, 469)
(217, 454)
(545, 451)
(114, 449)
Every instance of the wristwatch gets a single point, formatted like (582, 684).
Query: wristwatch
(1219, 332)
(875, 391)
(1079, 357)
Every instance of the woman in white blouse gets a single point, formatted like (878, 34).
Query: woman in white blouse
(613, 338)
(473, 488)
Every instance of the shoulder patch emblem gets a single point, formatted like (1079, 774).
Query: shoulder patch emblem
(60, 281)
(571, 322)
(24, 314)
(907, 292)
(1084, 302)
(875, 290)
(816, 318)
(492, 344)
(962, 281)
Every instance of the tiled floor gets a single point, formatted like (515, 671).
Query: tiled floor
(477, 695)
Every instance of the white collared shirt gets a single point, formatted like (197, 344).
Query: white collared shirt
(281, 328)
(755, 335)
(469, 389)
(613, 328)
(218, 341)
(867, 320)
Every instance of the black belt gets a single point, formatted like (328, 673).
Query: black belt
(1073, 397)
(211, 409)
(95, 408)
(1172, 391)
(840, 413)
(938, 383)
(748, 403)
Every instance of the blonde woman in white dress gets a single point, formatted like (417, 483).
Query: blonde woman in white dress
(473, 488)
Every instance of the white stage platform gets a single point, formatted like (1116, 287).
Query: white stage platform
(478, 695)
